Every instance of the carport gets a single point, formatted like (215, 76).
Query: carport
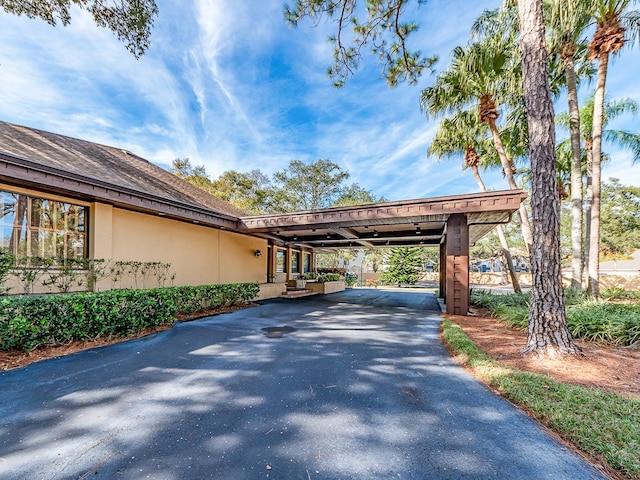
(453, 223)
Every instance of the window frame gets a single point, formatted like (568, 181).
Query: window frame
(44, 230)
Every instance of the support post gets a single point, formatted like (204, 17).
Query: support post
(457, 289)
(443, 271)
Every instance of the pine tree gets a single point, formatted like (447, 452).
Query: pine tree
(403, 266)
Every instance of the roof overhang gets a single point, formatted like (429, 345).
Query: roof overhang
(419, 222)
(390, 224)
(22, 172)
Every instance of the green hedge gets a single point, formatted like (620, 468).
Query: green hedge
(32, 321)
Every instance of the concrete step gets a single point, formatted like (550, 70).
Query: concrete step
(297, 293)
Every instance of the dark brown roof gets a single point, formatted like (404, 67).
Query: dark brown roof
(111, 165)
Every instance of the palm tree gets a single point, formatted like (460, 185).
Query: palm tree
(620, 138)
(548, 331)
(568, 20)
(615, 24)
(463, 133)
(483, 73)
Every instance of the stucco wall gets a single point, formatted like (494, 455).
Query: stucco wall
(197, 254)
(238, 262)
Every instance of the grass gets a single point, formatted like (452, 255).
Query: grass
(603, 424)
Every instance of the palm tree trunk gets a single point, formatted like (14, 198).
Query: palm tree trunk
(588, 146)
(501, 236)
(548, 331)
(508, 173)
(576, 174)
(594, 233)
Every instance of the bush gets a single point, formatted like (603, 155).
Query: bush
(30, 322)
(591, 320)
(341, 272)
(328, 277)
(6, 262)
(351, 280)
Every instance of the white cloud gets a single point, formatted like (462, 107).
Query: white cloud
(229, 85)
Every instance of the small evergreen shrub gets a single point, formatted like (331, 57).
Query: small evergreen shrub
(28, 322)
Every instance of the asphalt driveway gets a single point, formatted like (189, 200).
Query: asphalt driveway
(358, 386)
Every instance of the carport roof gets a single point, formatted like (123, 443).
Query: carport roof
(400, 223)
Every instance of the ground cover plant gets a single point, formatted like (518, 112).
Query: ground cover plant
(614, 319)
(29, 322)
(605, 425)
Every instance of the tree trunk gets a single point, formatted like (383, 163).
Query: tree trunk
(594, 231)
(588, 146)
(501, 236)
(548, 331)
(576, 173)
(508, 173)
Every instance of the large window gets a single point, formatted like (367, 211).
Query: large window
(38, 227)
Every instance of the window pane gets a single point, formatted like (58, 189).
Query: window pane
(75, 218)
(37, 227)
(75, 246)
(280, 261)
(295, 260)
(307, 262)
(7, 208)
(56, 215)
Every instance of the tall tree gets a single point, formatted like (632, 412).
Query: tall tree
(303, 186)
(462, 132)
(614, 20)
(196, 175)
(568, 20)
(548, 331)
(249, 191)
(484, 73)
(620, 138)
(129, 20)
(354, 194)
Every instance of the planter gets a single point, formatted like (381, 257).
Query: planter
(327, 287)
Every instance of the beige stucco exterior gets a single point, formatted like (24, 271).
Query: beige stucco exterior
(198, 254)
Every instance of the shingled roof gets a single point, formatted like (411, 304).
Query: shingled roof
(108, 165)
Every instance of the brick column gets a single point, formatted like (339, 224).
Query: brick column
(457, 289)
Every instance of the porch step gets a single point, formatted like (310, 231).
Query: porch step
(297, 293)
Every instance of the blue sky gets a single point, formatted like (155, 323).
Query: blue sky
(229, 85)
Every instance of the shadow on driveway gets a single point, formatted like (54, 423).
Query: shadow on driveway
(358, 386)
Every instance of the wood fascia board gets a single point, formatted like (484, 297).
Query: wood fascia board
(22, 172)
(423, 210)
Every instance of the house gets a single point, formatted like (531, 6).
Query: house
(65, 197)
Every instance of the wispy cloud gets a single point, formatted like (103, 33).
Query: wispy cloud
(229, 85)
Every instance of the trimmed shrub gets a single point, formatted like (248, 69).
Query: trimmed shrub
(30, 322)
